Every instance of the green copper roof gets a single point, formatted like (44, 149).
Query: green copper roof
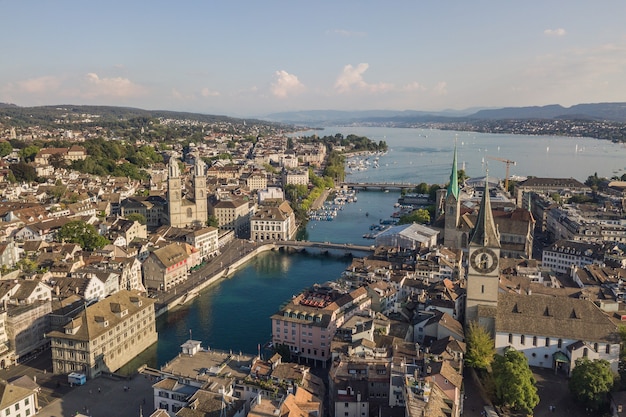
(453, 186)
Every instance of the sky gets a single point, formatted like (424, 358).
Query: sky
(248, 58)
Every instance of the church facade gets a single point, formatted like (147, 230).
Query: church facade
(190, 208)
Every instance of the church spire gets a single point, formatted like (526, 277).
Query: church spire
(453, 186)
(485, 232)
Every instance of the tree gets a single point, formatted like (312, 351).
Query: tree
(82, 233)
(137, 217)
(5, 149)
(421, 216)
(23, 172)
(480, 347)
(591, 381)
(212, 221)
(29, 152)
(514, 381)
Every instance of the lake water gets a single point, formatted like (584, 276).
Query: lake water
(234, 314)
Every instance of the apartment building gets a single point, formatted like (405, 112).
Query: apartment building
(166, 267)
(564, 255)
(271, 223)
(105, 336)
(205, 240)
(233, 214)
(307, 324)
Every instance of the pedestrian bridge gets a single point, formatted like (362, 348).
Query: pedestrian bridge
(380, 185)
(324, 248)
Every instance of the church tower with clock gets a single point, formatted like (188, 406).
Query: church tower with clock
(483, 273)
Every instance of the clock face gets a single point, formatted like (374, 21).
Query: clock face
(484, 260)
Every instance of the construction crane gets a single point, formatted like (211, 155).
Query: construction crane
(508, 163)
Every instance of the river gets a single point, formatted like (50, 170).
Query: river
(234, 314)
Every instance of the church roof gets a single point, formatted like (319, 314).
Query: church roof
(453, 185)
(485, 232)
(558, 317)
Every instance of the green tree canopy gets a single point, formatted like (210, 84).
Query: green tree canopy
(5, 148)
(23, 172)
(82, 233)
(514, 381)
(29, 152)
(591, 381)
(480, 347)
(212, 221)
(421, 216)
(138, 217)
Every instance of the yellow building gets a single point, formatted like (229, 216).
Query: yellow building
(105, 336)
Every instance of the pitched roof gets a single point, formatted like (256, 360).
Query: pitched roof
(89, 323)
(558, 317)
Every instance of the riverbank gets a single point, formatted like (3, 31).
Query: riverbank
(236, 253)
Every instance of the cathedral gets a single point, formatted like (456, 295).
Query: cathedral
(515, 224)
(190, 209)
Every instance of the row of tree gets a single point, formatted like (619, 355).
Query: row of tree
(512, 382)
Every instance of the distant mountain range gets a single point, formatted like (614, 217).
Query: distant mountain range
(615, 112)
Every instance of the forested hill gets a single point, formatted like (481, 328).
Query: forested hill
(59, 115)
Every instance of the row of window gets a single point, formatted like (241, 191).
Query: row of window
(535, 342)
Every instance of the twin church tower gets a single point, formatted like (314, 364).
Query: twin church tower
(483, 250)
(190, 209)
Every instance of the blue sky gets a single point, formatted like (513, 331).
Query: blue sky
(250, 58)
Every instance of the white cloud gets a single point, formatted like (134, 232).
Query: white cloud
(181, 96)
(413, 86)
(205, 92)
(95, 86)
(441, 88)
(286, 84)
(38, 85)
(554, 32)
(351, 79)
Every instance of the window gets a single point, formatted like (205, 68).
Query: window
(510, 338)
(547, 341)
(560, 343)
(595, 347)
(534, 340)
(608, 348)
(522, 339)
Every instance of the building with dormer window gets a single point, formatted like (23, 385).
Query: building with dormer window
(105, 336)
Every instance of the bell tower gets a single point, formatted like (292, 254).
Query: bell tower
(199, 191)
(174, 193)
(483, 273)
(452, 209)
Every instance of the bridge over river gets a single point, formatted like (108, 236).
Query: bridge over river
(334, 249)
(380, 185)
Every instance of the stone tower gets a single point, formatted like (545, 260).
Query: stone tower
(200, 191)
(174, 192)
(483, 272)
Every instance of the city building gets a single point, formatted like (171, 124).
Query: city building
(307, 324)
(564, 255)
(166, 267)
(232, 214)
(17, 401)
(273, 222)
(206, 240)
(105, 336)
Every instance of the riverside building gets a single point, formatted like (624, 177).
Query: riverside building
(105, 336)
